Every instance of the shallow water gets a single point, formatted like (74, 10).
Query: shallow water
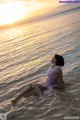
(25, 57)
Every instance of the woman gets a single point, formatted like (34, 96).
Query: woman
(54, 79)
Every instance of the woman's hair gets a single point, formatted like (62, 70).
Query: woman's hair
(59, 60)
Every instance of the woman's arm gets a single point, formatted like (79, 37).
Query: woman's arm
(60, 78)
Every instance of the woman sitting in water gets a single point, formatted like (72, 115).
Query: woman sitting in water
(54, 80)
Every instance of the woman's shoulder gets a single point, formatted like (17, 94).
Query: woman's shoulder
(58, 68)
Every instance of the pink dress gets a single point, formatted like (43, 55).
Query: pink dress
(52, 77)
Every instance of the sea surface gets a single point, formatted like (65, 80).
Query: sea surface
(25, 57)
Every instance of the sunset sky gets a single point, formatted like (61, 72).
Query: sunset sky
(12, 11)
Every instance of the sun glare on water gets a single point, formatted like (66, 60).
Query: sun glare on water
(12, 12)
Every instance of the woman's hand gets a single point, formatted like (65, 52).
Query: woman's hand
(47, 77)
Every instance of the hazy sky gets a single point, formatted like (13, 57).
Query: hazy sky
(15, 10)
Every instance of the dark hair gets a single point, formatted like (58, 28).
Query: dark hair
(59, 59)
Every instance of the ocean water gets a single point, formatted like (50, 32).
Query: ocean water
(25, 57)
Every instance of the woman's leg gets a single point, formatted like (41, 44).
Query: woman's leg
(39, 88)
(26, 91)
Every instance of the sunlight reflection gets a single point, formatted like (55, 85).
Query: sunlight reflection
(12, 12)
